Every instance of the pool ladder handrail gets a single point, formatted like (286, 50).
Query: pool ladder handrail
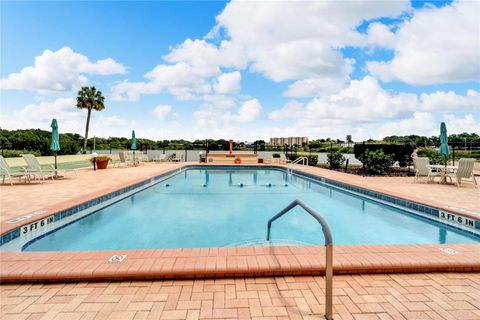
(303, 160)
(328, 248)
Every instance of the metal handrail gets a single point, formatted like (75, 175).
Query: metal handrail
(328, 248)
(304, 161)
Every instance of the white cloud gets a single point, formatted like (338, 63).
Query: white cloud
(291, 110)
(362, 100)
(219, 101)
(311, 87)
(298, 40)
(441, 101)
(426, 123)
(56, 71)
(70, 119)
(378, 34)
(205, 56)
(111, 121)
(368, 110)
(249, 111)
(437, 45)
(212, 116)
(181, 80)
(161, 111)
(187, 75)
(228, 83)
(285, 41)
(103, 67)
(40, 115)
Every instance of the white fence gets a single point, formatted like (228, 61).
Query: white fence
(193, 155)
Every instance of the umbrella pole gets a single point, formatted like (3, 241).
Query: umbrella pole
(55, 164)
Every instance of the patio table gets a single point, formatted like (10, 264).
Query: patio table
(443, 170)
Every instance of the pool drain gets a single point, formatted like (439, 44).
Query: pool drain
(448, 251)
(117, 258)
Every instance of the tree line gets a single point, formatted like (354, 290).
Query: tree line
(38, 141)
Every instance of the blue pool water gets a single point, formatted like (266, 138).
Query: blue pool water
(208, 208)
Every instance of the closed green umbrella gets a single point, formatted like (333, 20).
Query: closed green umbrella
(55, 145)
(134, 145)
(444, 150)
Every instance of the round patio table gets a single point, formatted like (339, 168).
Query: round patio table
(443, 170)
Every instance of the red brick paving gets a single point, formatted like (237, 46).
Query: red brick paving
(233, 262)
(381, 296)
(254, 261)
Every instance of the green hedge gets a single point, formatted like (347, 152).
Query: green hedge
(312, 158)
(17, 153)
(432, 155)
(335, 159)
(398, 152)
(376, 161)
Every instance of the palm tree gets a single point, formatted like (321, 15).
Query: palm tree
(91, 99)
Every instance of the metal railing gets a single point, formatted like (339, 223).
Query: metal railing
(303, 160)
(328, 247)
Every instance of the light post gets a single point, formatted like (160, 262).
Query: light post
(94, 161)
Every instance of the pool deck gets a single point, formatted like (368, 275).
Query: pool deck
(19, 200)
(448, 296)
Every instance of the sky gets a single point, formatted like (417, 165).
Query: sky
(243, 70)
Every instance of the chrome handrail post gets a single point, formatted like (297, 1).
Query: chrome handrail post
(329, 282)
(328, 251)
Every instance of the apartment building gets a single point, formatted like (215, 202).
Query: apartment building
(277, 142)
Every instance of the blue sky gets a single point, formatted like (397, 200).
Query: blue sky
(243, 70)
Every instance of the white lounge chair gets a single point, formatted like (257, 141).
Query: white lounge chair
(161, 158)
(7, 172)
(177, 159)
(423, 170)
(35, 169)
(123, 159)
(463, 171)
(268, 158)
(284, 159)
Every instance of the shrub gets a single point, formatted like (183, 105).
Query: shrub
(376, 162)
(335, 159)
(17, 153)
(276, 155)
(431, 154)
(467, 154)
(312, 158)
(398, 152)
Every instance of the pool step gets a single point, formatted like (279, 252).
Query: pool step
(263, 242)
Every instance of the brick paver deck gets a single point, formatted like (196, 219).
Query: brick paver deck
(367, 296)
(463, 199)
(18, 200)
(195, 263)
(396, 296)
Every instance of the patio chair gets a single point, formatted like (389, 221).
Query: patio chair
(268, 158)
(463, 171)
(284, 159)
(177, 159)
(144, 157)
(422, 169)
(7, 172)
(161, 158)
(123, 159)
(135, 157)
(35, 169)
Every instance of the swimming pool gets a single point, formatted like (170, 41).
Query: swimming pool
(218, 207)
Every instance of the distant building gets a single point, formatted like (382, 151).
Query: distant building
(349, 142)
(280, 142)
